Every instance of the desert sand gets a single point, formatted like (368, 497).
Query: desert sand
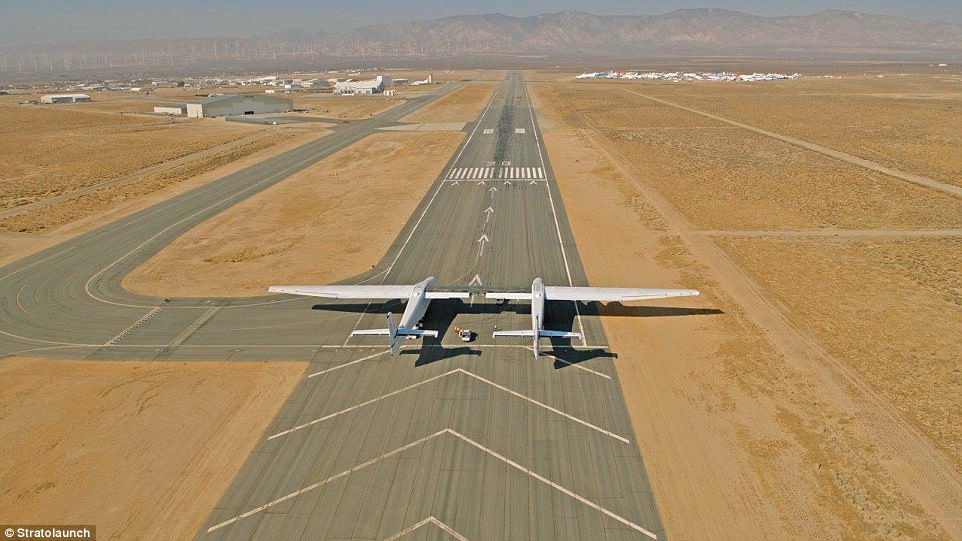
(766, 420)
(14, 246)
(318, 226)
(142, 450)
(50, 150)
(461, 105)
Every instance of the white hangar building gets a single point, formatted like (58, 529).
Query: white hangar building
(64, 98)
(239, 104)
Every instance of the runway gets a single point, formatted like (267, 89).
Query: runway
(449, 440)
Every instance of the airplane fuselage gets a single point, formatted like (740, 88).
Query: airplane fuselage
(537, 305)
(417, 304)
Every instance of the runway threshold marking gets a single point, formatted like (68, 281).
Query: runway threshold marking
(451, 432)
(430, 520)
(444, 375)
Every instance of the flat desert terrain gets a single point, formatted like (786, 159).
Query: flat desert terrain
(143, 450)
(345, 107)
(314, 227)
(461, 105)
(68, 167)
(905, 121)
(818, 395)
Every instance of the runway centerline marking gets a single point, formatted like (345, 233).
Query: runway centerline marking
(531, 473)
(444, 375)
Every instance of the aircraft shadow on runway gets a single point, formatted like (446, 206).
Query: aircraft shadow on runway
(616, 309)
(561, 316)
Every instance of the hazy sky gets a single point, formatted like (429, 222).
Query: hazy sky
(33, 21)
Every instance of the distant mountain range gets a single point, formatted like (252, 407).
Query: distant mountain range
(564, 35)
(682, 32)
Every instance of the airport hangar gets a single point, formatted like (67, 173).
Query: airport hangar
(239, 104)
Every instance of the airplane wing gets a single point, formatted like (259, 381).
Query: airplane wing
(347, 292)
(365, 292)
(609, 294)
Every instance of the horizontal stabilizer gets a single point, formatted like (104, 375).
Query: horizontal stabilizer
(528, 332)
(371, 332)
(558, 334)
(400, 332)
(417, 332)
(446, 295)
(524, 296)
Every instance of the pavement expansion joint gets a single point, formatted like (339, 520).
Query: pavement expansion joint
(460, 437)
(442, 376)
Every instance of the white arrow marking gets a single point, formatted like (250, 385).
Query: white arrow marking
(476, 281)
(484, 238)
(481, 183)
(493, 189)
(532, 182)
(507, 182)
(487, 214)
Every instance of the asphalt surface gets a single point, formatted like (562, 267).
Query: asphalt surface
(448, 440)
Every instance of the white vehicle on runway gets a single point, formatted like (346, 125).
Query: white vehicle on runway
(541, 293)
(418, 295)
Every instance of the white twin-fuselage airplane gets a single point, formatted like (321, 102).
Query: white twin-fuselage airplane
(419, 296)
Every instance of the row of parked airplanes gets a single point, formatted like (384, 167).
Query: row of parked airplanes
(420, 295)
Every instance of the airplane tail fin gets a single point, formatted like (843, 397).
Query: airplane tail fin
(394, 341)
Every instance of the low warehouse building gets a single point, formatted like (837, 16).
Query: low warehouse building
(374, 86)
(239, 104)
(176, 110)
(64, 98)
